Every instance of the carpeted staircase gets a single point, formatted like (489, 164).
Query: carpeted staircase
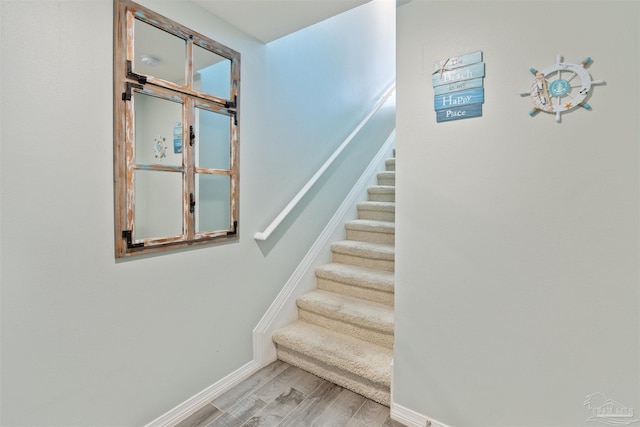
(344, 331)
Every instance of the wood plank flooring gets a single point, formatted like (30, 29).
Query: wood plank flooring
(282, 395)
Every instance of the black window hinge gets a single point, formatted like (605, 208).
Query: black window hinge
(126, 95)
(133, 76)
(231, 108)
(235, 229)
(232, 104)
(127, 235)
(192, 203)
(192, 136)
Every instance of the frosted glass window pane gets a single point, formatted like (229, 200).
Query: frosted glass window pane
(213, 148)
(212, 71)
(158, 204)
(213, 202)
(159, 54)
(158, 130)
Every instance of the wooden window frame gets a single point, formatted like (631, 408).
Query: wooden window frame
(126, 83)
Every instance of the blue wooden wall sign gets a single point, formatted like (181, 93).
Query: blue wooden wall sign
(458, 99)
(456, 113)
(458, 86)
(461, 85)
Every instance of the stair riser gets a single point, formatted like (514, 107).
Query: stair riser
(376, 215)
(371, 237)
(386, 181)
(382, 197)
(377, 392)
(380, 338)
(380, 264)
(355, 291)
(390, 165)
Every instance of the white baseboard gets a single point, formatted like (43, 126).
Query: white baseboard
(283, 310)
(407, 416)
(411, 418)
(196, 402)
(435, 423)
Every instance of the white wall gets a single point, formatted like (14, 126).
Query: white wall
(88, 340)
(517, 268)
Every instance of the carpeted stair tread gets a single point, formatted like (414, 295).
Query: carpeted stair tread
(363, 313)
(365, 249)
(378, 206)
(335, 350)
(371, 225)
(390, 164)
(364, 254)
(380, 211)
(382, 189)
(382, 193)
(373, 231)
(357, 276)
(365, 283)
(356, 317)
(387, 178)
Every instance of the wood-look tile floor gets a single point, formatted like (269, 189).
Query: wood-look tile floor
(282, 395)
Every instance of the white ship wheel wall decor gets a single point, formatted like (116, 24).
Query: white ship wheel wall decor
(561, 87)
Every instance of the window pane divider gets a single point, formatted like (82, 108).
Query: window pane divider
(156, 167)
(188, 178)
(161, 240)
(218, 103)
(211, 171)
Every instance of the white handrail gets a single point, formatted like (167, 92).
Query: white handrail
(292, 204)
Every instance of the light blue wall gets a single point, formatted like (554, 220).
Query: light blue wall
(517, 262)
(88, 340)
